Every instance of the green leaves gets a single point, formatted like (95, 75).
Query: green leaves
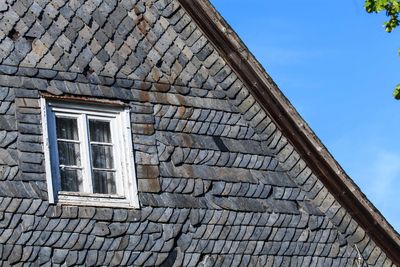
(396, 92)
(392, 8)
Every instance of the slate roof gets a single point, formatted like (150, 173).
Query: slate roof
(221, 181)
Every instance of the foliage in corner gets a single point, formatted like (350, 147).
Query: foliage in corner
(392, 9)
(396, 92)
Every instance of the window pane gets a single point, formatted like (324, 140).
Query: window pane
(68, 153)
(71, 180)
(67, 128)
(104, 182)
(102, 156)
(100, 131)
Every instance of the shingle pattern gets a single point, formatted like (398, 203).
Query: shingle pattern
(219, 185)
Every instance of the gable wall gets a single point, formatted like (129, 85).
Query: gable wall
(218, 183)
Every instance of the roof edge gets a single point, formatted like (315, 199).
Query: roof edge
(293, 126)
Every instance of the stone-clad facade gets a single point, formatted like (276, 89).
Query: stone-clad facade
(218, 182)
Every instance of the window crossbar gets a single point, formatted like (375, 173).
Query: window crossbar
(70, 167)
(101, 143)
(103, 169)
(68, 141)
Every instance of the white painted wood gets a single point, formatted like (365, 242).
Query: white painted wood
(131, 183)
(47, 157)
(116, 136)
(86, 157)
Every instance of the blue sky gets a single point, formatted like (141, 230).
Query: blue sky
(338, 67)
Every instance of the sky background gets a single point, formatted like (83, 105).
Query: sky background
(338, 67)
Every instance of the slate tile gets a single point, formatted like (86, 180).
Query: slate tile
(120, 215)
(13, 205)
(86, 212)
(101, 229)
(103, 214)
(381, 260)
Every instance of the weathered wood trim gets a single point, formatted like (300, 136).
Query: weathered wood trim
(294, 127)
(84, 100)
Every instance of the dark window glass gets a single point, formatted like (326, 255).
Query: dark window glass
(69, 154)
(100, 131)
(67, 128)
(102, 156)
(71, 180)
(101, 149)
(104, 182)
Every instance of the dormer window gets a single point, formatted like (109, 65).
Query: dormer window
(88, 153)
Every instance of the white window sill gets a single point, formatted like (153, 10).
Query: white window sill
(96, 200)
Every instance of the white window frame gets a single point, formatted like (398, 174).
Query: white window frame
(125, 179)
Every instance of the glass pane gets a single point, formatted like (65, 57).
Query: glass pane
(68, 154)
(67, 128)
(102, 157)
(71, 180)
(100, 131)
(104, 182)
